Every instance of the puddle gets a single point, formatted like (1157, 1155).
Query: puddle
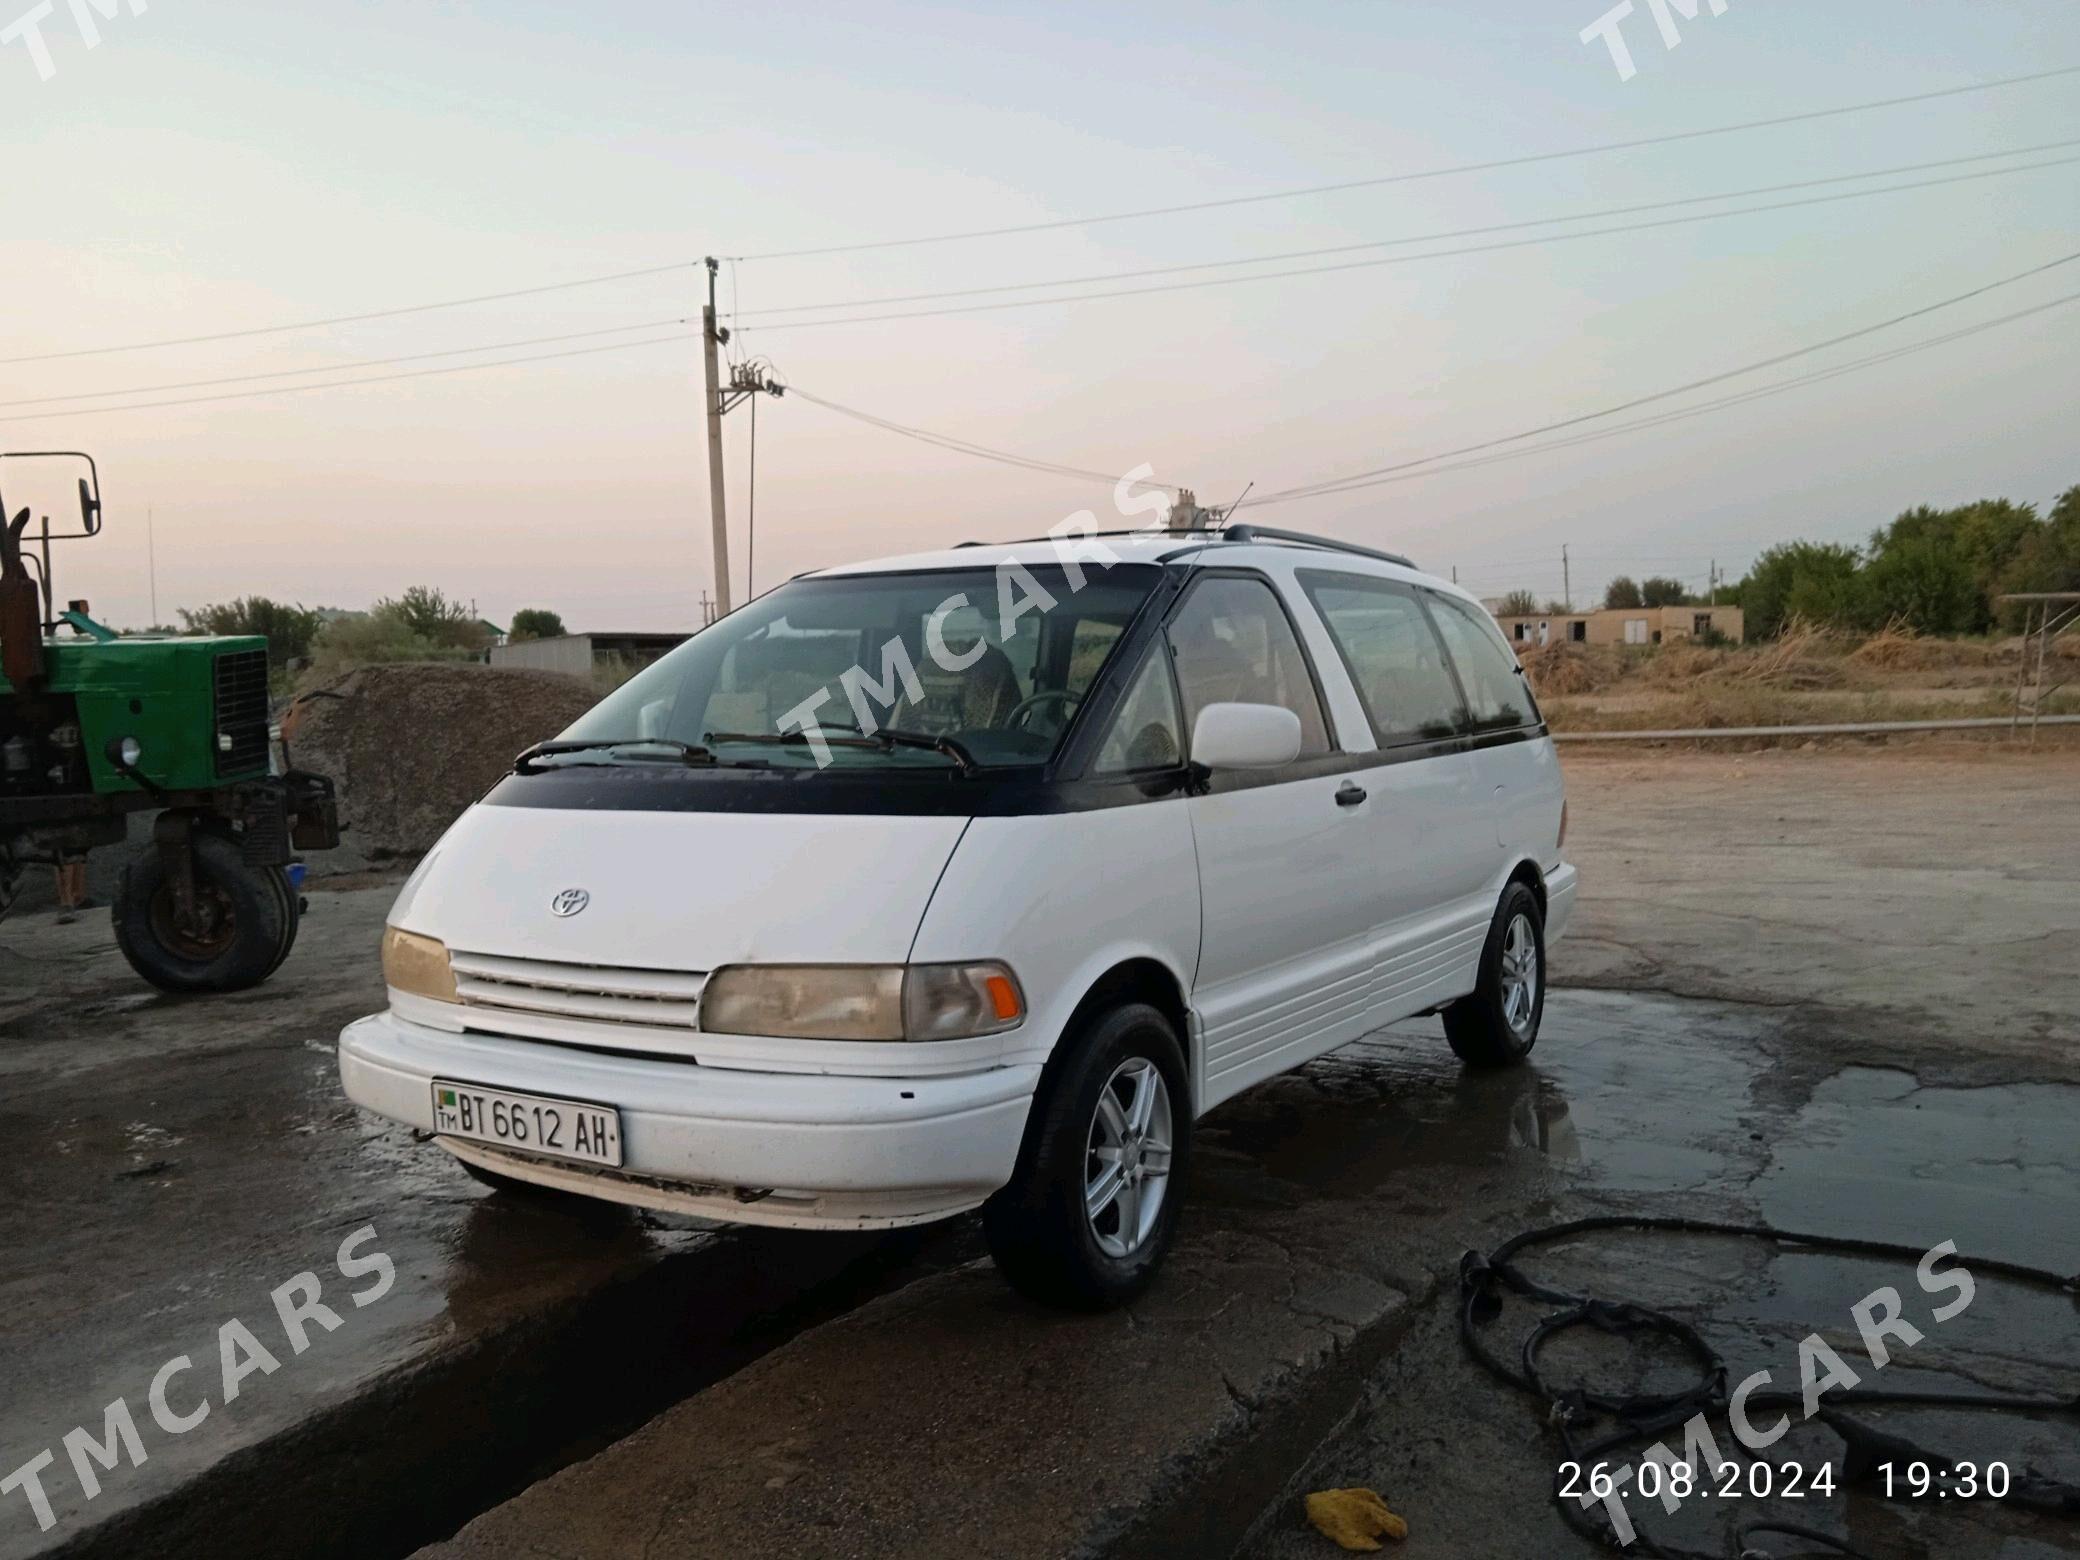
(1643, 1092)
(1874, 1154)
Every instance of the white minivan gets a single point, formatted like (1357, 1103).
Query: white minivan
(972, 879)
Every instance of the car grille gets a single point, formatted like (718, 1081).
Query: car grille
(240, 684)
(589, 993)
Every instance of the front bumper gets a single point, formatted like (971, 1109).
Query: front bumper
(793, 1149)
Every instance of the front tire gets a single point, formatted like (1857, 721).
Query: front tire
(1092, 1207)
(1497, 1024)
(245, 930)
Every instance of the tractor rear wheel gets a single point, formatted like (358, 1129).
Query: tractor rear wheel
(240, 931)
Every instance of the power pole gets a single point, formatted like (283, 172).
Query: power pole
(1712, 579)
(151, 557)
(744, 379)
(1566, 579)
(711, 341)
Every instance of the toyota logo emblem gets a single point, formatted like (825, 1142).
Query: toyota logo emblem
(570, 901)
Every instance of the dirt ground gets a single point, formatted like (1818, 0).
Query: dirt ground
(1928, 891)
(1832, 986)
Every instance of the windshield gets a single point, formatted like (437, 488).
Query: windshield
(939, 669)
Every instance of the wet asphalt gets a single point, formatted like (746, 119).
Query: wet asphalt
(169, 1164)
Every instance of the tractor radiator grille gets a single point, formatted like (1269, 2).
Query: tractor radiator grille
(241, 694)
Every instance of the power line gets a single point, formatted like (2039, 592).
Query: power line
(342, 384)
(340, 368)
(1440, 254)
(1308, 489)
(963, 446)
(350, 319)
(1451, 170)
(1432, 465)
(1424, 238)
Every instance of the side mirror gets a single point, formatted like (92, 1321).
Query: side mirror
(89, 508)
(1245, 736)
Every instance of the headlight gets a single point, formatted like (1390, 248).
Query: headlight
(862, 1002)
(418, 965)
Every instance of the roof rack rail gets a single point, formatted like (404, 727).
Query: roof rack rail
(1265, 533)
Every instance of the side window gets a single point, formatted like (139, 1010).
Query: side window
(1146, 734)
(1392, 654)
(1487, 670)
(1235, 645)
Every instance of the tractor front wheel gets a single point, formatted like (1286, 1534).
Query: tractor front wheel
(240, 926)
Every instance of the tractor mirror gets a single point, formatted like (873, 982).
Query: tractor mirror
(89, 508)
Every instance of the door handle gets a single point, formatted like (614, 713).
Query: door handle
(1349, 794)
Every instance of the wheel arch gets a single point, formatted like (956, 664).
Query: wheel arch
(1527, 872)
(1140, 978)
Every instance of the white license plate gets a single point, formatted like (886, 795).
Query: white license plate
(531, 1123)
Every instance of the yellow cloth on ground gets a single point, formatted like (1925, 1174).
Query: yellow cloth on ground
(1356, 1519)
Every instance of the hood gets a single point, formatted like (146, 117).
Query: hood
(680, 890)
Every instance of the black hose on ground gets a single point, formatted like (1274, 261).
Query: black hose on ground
(1594, 1424)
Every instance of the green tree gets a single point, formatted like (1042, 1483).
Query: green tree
(535, 623)
(288, 630)
(1655, 591)
(1622, 593)
(1925, 580)
(1518, 603)
(1916, 559)
(430, 615)
(1815, 580)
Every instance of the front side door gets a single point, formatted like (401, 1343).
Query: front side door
(1284, 957)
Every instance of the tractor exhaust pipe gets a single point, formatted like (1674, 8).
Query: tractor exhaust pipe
(21, 608)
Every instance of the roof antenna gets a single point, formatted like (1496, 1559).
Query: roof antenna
(1229, 513)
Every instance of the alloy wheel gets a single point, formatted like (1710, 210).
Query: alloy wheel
(1127, 1160)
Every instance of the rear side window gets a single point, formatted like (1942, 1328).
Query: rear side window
(1494, 688)
(1235, 645)
(1392, 653)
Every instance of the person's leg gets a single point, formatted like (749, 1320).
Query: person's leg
(72, 884)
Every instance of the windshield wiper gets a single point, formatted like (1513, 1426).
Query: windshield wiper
(683, 752)
(886, 740)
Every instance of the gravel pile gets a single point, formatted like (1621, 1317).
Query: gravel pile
(412, 745)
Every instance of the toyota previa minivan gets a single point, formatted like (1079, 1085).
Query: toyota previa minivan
(973, 879)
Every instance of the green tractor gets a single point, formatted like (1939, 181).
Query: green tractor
(95, 726)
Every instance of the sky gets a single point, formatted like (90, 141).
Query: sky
(211, 166)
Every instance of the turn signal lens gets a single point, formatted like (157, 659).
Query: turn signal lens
(418, 965)
(862, 1002)
(957, 1001)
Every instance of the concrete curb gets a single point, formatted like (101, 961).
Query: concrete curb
(413, 1453)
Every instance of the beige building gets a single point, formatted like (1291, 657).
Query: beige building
(1622, 626)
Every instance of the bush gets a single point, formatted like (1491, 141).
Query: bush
(434, 618)
(288, 630)
(373, 639)
(535, 623)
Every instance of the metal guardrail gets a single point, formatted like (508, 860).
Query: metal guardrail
(1850, 729)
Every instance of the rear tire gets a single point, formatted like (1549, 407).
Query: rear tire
(246, 937)
(1497, 1024)
(1093, 1204)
